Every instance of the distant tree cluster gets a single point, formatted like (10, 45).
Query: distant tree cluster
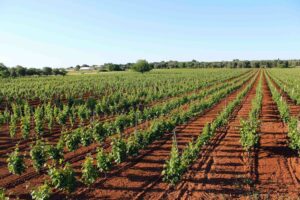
(115, 67)
(141, 65)
(20, 71)
(228, 64)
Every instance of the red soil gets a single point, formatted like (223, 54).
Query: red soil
(141, 177)
(12, 181)
(7, 143)
(222, 173)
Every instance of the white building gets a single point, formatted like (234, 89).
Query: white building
(85, 69)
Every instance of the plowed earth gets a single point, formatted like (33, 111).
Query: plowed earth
(222, 171)
(20, 186)
(271, 173)
(140, 178)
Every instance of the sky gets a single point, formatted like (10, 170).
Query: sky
(56, 33)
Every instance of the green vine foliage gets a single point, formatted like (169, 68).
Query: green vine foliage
(172, 169)
(249, 138)
(25, 127)
(15, 162)
(294, 134)
(89, 171)
(119, 149)
(104, 161)
(13, 126)
(73, 139)
(55, 152)
(2, 194)
(38, 155)
(63, 178)
(43, 192)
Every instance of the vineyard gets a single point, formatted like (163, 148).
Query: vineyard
(166, 134)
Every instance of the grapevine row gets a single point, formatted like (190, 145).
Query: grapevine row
(293, 122)
(249, 127)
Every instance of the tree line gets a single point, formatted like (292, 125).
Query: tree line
(198, 64)
(144, 66)
(20, 71)
(228, 64)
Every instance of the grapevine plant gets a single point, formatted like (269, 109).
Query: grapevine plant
(89, 171)
(38, 155)
(249, 127)
(15, 162)
(43, 192)
(63, 178)
(172, 169)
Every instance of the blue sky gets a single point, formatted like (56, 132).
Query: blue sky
(64, 33)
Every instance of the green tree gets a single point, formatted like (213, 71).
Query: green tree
(112, 67)
(141, 66)
(13, 72)
(47, 71)
(21, 71)
(4, 73)
(77, 68)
